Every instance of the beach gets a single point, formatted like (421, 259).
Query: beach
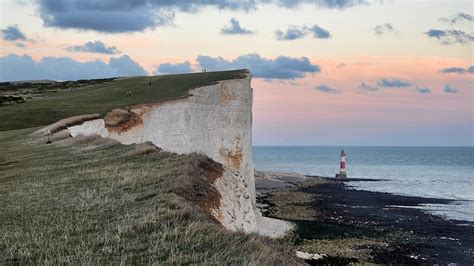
(345, 225)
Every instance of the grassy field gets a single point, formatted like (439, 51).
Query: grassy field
(89, 200)
(104, 97)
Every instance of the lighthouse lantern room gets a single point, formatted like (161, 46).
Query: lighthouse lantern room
(342, 170)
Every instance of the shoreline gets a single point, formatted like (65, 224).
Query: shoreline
(347, 225)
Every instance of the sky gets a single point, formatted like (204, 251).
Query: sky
(325, 72)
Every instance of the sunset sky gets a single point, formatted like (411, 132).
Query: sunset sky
(325, 72)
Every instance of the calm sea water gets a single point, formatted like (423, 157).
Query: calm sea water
(440, 172)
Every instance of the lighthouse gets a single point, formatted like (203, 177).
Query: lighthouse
(342, 170)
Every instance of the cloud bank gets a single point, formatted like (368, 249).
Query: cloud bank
(282, 67)
(116, 16)
(93, 47)
(179, 68)
(14, 67)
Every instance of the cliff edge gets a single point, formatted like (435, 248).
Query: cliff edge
(214, 120)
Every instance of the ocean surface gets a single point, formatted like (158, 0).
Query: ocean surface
(439, 172)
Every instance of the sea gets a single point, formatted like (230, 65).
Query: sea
(437, 172)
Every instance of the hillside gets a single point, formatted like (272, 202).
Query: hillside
(103, 97)
(92, 200)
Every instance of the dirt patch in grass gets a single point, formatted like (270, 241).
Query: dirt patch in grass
(121, 120)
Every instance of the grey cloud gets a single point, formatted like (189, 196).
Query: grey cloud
(125, 66)
(115, 16)
(13, 33)
(366, 87)
(449, 89)
(447, 37)
(457, 70)
(423, 90)
(326, 89)
(282, 67)
(179, 68)
(319, 33)
(292, 33)
(333, 4)
(93, 47)
(14, 67)
(340, 3)
(296, 32)
(460, 17)
(236, 29)
(393, 83)
(111, 16)
(379, 30)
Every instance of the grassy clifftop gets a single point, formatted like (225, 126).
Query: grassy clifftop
(103, 97)
(93, 201)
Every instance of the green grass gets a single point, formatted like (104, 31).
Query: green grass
(89, 200)
(92, 201)
(104, 97)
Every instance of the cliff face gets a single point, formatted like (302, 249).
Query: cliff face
(215, 120)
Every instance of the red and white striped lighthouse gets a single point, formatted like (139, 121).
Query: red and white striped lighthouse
(342, 170)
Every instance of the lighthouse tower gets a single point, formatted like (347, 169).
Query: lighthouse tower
(342, 170)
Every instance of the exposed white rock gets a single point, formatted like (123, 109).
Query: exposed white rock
(215, 120)
(236, 210)
(273, 227)
(308, 256)
(89, 128)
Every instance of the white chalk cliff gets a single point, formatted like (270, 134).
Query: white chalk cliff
(214, 120)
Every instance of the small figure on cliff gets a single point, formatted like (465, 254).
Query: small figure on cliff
(129, 93)
(342, 170)
(149, 84)
(48, 141)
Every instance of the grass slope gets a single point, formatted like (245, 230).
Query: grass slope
(104, 97)
(92, 201)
